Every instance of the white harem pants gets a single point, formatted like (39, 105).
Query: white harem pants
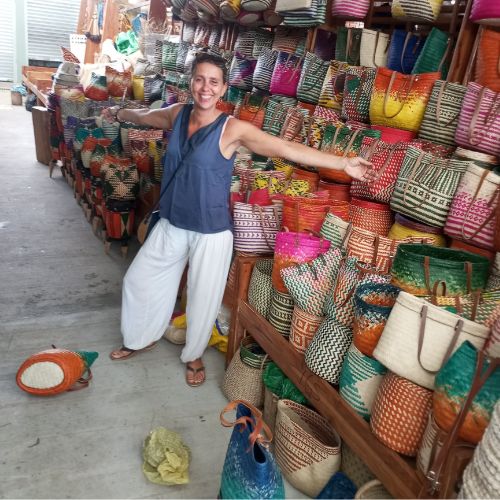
(151, 283)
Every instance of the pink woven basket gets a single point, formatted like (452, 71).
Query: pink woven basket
(485, 11)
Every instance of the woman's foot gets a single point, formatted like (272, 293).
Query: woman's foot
(195, 373)
(125, 352)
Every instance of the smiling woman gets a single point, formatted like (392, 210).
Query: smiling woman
(195, 224)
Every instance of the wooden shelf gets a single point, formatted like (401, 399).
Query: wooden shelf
(397, 474)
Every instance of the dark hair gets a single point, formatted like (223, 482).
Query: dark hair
(206, 57)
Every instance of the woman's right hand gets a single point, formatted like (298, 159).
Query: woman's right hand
(109, 114)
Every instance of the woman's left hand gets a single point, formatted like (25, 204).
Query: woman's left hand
(360, 169)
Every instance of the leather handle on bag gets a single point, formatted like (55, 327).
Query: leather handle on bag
(492, 115)
(388, 93)
(442, 90)
(421, 337)
(434, 474)
(474, 197)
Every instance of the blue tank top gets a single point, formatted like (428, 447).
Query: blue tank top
(196, 177)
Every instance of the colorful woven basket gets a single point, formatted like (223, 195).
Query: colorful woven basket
(359, 381)
(373, 302)
(335, 229)
(53, 371)
(399, 414)
(453, 383)
(416, 268)
(369, 215)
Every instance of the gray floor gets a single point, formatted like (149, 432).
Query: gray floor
(58, 287)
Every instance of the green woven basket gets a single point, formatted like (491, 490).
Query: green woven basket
(417, 268)
(252, 354)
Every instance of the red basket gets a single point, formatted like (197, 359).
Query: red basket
(393, 135)
(369, 215)
(336, 191)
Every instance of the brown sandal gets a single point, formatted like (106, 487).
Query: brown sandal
(129, 352)
(194, 371)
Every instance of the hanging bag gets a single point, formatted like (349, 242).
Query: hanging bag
(485, 12)
(358, 89)
(250, 470)
(241, 72)
(347, 46)
(286, 74)
(434, 54)
(418, 10)
(311, 80)
(404, 49)
(426, 185)
(442, 112)
(333, 86)
(264, 69)
(479, 121)
(373, 48)
(472, 213)
(351, 9)
(399, 100)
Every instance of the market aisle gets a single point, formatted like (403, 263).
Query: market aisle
(58, 287)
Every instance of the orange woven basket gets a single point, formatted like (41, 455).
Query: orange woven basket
(399, 414)
(336, 191)
(52, 371)
(488, 60)
(311, 177)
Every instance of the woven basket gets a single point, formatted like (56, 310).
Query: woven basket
(270, 408)
(53, 371)
(335, 230)
(404, 227)
(494, 279)
(369, 215)
(462, 272)
(336, 191)
(260, 289)
(481, 476)
(373, 489)
(280, 312)
(353, 467)
(303, 328)
(301, 214)
(398, 348)
(243, 382)
(373, 302)
(453, 383)
(359, 381)
(399, 414)
(481, 159)
(472, 213)
(326, 352)
(252, 354)
(307, 448)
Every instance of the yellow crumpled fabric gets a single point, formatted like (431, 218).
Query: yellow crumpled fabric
(216, 339)
(166, 457)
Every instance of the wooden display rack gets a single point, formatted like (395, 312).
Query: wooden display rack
(398, 474)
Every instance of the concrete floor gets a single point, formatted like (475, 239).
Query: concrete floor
(58, 287)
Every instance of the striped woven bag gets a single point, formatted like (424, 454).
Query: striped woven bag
(399, 414)
(472, 211)
(359, 381)
(311, 80)
(275, 117)
(435, 53)
(264, 69)
(326, 352)
(351, 9)
(441, 115)
(418, 10)
(309, 283)
(260, 288)
(358, 88)
(479, 121)
(280, 312)
(373, 50)
(336, 230)
(426, 185)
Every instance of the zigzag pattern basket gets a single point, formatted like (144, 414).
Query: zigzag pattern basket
(280, 312)
(303, 328)
(359, 381)
(260, 289)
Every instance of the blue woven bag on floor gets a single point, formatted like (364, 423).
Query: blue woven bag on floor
(250, 470)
